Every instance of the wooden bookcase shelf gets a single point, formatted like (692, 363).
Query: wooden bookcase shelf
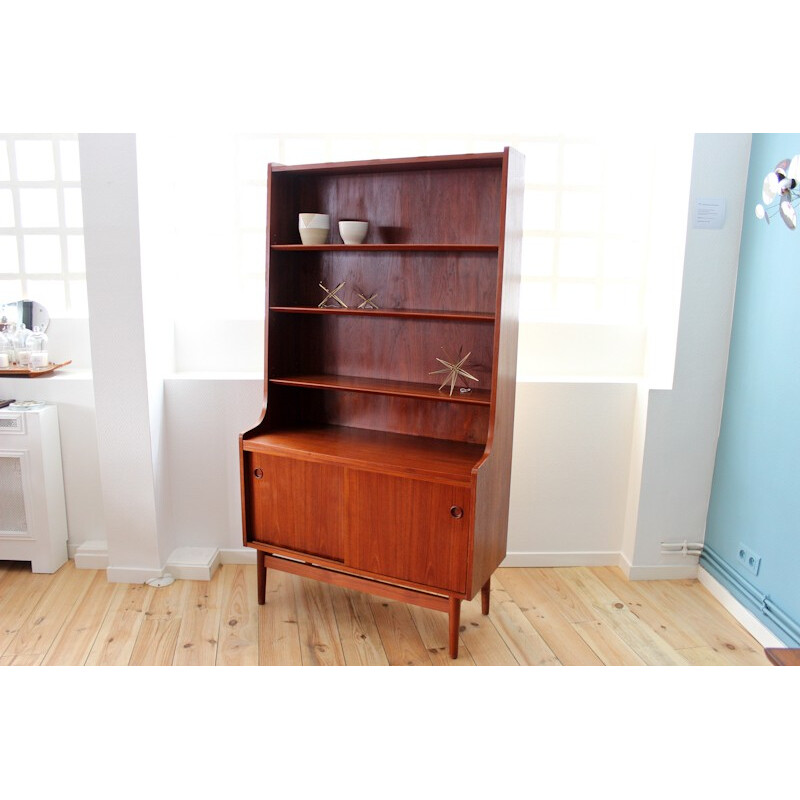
(362, 471)
(387, 312)
(420, 391)
(364, 449)
(387, 248)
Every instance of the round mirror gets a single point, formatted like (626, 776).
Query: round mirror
(25, 311)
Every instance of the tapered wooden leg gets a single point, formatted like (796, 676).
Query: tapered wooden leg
(261, 573)
(485, 597)
(455, 621)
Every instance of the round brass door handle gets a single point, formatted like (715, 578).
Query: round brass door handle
(259, 473)
(456, 512)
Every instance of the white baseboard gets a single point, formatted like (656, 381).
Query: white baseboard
(238, 555)
(91, 555)
(581, 559)
(184, 563)
(603, 559)
(193, 563)
(763, 635)
(660, 572)
(132, 574)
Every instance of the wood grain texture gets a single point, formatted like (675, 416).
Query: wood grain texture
(494, 473)
(278, 629)
(74, 641)
(611, 611)
(396, 454)
(361, 641)
(296, 504)
(406, 529)
(198, 636)
(783, 657)
(533, 619)
(119, 632)
(401, 639)
(238, 626)
(319, 634)
(36, 634)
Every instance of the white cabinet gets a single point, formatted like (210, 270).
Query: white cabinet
(33, 517)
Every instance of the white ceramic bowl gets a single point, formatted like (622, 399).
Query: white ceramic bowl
(353, 231)
(314, 228)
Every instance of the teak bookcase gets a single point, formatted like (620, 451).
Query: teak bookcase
(362, 472)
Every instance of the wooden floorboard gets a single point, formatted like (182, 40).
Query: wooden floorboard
(571, 616)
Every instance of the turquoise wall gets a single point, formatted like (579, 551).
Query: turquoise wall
(755, 496)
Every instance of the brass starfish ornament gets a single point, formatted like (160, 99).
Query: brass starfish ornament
(454, 370)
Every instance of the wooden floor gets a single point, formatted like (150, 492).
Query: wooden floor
(539, 617)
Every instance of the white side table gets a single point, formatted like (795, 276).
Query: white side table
(33, 514)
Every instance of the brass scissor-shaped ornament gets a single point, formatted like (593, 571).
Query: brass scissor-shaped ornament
(331, 295)
(367, 301)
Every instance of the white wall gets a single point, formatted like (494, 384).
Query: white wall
(603, 471)
(569, 473)
(681, 426)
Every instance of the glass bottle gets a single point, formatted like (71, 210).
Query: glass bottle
(36, 344)
(21, 353)
(6, 350)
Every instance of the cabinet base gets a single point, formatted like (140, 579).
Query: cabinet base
(447, 603)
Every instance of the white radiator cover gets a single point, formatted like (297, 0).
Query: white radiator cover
(33, 515)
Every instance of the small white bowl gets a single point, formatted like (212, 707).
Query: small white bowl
(353, 231)
(314, 228)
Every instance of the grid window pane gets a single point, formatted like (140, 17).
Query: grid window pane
(78, 301)
(583, 164)
(305, 150)
(70, 161)
(5, 172)
(576, 301)
(34, 160)
(621, 301)
(9, 261)
(623, 258)
(253, 213)
(48, 264)
(51, 294)
(10, 290)
(73, 209)
(580, 212)
(38, 208)
(253, 155)
(42, 253)
(7, 219)
(536, 299)
(582, 229)
(542, 162)
(252, 253)
(578, 258)
(539, 210)
(76, 254)
(538, 255)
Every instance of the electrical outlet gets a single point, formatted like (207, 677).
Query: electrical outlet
(749, 559)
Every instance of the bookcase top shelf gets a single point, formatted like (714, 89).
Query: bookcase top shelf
(420, 247)
(396, 164)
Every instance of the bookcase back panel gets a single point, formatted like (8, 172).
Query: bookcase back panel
(378, 347)
(454, 281)
(417, 206)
